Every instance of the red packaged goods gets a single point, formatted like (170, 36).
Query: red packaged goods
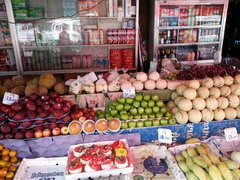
(128, 58)
(116, 58)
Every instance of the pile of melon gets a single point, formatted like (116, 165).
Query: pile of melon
(211, 99)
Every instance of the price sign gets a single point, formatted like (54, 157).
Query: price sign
(10, 98)
(231, 134)
(165, 135)
(129, 92)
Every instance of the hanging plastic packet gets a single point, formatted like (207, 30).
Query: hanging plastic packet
(88, 86)
(153, 66)
(167, 66)
(75, 87)
(113, 76)
(125, 76)
(114, 86)
(101, 84)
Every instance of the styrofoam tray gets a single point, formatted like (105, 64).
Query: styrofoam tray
(42, 168)
(102, 173)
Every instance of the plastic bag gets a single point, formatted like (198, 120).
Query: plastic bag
(101, 84)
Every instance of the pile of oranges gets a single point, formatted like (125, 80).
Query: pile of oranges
(8, 161)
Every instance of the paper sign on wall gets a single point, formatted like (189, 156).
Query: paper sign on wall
(10, 98)
(165, 135)
(129, 92)
(231, 134)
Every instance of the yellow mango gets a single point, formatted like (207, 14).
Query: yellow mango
(214, 173)
(226, 173)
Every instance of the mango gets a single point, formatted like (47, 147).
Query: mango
(237, 172)
(234, 175)
(206, 147)
(200, 149)
(199, 172)
(213, 158)
(191, 176)
(189, 162)
(185, 154)
(191, 152)
(207, 176)
(192, 140)
(214, 173)
(199, 161)
(206, 160)
(179, 157)
(231, 164)
(223, 159)
(183, 166)
(226, 173)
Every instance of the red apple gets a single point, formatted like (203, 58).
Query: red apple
(38, 134)
(29, 134)
(53, 95)
(66, 109)
(11, 114)
(39, 122)
(31, 114)
(58, 113)
(27, 124)
(64, 130)
(82, 119)
(38, 128)
(33, 97)
(46, 126)
(19, 116)
(9, 136)
(59, 99)
(56, 131)
(5, 108)
(46, 132)
(2, 137)
(19, 135)
(13, 124)
(6, 128)
(52, 120)
(16, 107)
(66, 118)
(45, 97)
(31, 106)
(46, 106)
(61, 125)
(52, 126)
(44, 114)
(38, 102)
(14, 131)
(57, 106)
(51, 101)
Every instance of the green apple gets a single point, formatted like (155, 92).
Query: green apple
(127, 107)
(117, 116)
(115, 103)
(130, 116)
(159, 115)
(124, 125)
(99, 112)
(163, 110)
(148, 110)
(121, 100)
(133, 111)
(151, 116)
(144, 104)
(137, 116)
(147, 123)
(111, 107)
(168, 114)
(156, 122)
(159, 103)
(155, 109)
(172, 121)
(129, 100)
(124, 117)
(140, 124)
(144, 116)
(138, 97)
(164, 122)
(140, 110)
(113, 112)
(123, 112)
(101, 116)
(119, 107)
(146, 97)
(136, 103)
(155, 98)
(132, 124)
(109, 118)
(151, 103)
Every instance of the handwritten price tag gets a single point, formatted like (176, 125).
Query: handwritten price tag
(231, 134)
(10, 98)
(129, 92)
(165, 135)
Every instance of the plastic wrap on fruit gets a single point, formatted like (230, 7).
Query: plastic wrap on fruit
(75, 87)
(101, 84)
(125, 76)
(114, 86)
(154, 166)
(88, 87)
(113, 76)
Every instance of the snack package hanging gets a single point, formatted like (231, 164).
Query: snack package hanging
(88, 7)
(101, 84)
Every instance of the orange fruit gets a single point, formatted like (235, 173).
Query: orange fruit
(3, 163)
(1, 147)
(14, 160)
(89, 126)
(1, 178)
(8, 164)
(3, 172)
(5, 158)
(10, 175)
(114, 125)
(75, 127)
(12, 168)
(5, 152)
(13, 153)
(102, 125)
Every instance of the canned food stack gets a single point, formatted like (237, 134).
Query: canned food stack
(128, 58)
(88, 7)
(122, 58)
(116, 58)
